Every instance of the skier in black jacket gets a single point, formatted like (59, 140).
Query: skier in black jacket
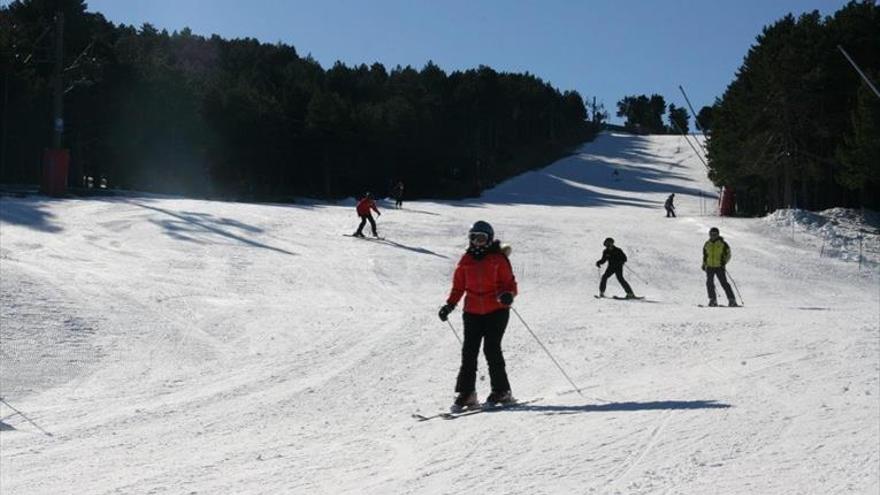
(615, 258)
(670, 207)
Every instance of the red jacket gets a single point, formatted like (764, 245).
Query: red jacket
(365, 205)
(483, 280)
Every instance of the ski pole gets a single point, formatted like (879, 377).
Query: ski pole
(741, 303)
(25, 417)
(548, 352)
(637, 275)
(454, 332)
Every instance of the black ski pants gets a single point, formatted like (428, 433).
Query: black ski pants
(722, 278)
(618, 271)
(670, 212)
(489, 329)
(364, 219)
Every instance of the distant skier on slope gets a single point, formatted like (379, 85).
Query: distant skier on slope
(363, 210)
(485, 278)
(397, 192)
(670, 208)
(615, 258)
(716, 255)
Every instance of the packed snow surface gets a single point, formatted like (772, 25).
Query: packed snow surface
(166, 345)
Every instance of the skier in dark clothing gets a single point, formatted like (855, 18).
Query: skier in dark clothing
(670, 208)
(716, 254)
(363, 210)
(397, 192)
(615, 258)
(485, 278)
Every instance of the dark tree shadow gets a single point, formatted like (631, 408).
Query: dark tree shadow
(29, 213)
(622, 406)
(187, 222)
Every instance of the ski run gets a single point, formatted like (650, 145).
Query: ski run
(155, 344)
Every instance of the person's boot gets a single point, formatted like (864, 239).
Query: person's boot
(732, 303)
(601, 294)
(465, 401)
(713, 303)
(503, 397)
(630, 295)
(358, 234)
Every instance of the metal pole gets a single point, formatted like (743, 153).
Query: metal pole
(548, 352)
(696, 122)
(860, 252)
(741, 303)
(454, 332)
(680, 130)
(58, 83)
(856, 67)
(636, 274)
(3, 122)
(25, 417)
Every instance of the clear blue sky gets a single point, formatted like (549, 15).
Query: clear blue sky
(601, 48)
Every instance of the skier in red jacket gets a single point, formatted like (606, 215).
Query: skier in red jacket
(485, 278)
(363, 210)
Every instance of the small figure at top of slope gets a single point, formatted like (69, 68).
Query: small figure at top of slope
(397, 193)
(485, 278)
(670, 207)
(363, 210)
(716, 255)
(615, 258)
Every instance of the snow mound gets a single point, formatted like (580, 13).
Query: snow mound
(842, 233)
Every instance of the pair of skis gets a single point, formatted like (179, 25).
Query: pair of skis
(365, 237)
(475, 410)
(619, 298)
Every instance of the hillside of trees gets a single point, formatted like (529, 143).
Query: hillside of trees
(798, 127)
(644, 115)
(179, 113)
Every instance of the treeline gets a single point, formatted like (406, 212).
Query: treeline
(238, 118)
(798, 127)
(644, 115)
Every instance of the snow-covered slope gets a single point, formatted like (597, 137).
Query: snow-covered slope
(162, 345)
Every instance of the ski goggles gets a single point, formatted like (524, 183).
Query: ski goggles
(478, 238)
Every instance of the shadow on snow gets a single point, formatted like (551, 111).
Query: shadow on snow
(189, 223)
(411, 248)
(29, 213)
(625, 406)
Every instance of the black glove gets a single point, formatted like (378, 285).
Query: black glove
(598, 264)
(506, 298)
(445, 310)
